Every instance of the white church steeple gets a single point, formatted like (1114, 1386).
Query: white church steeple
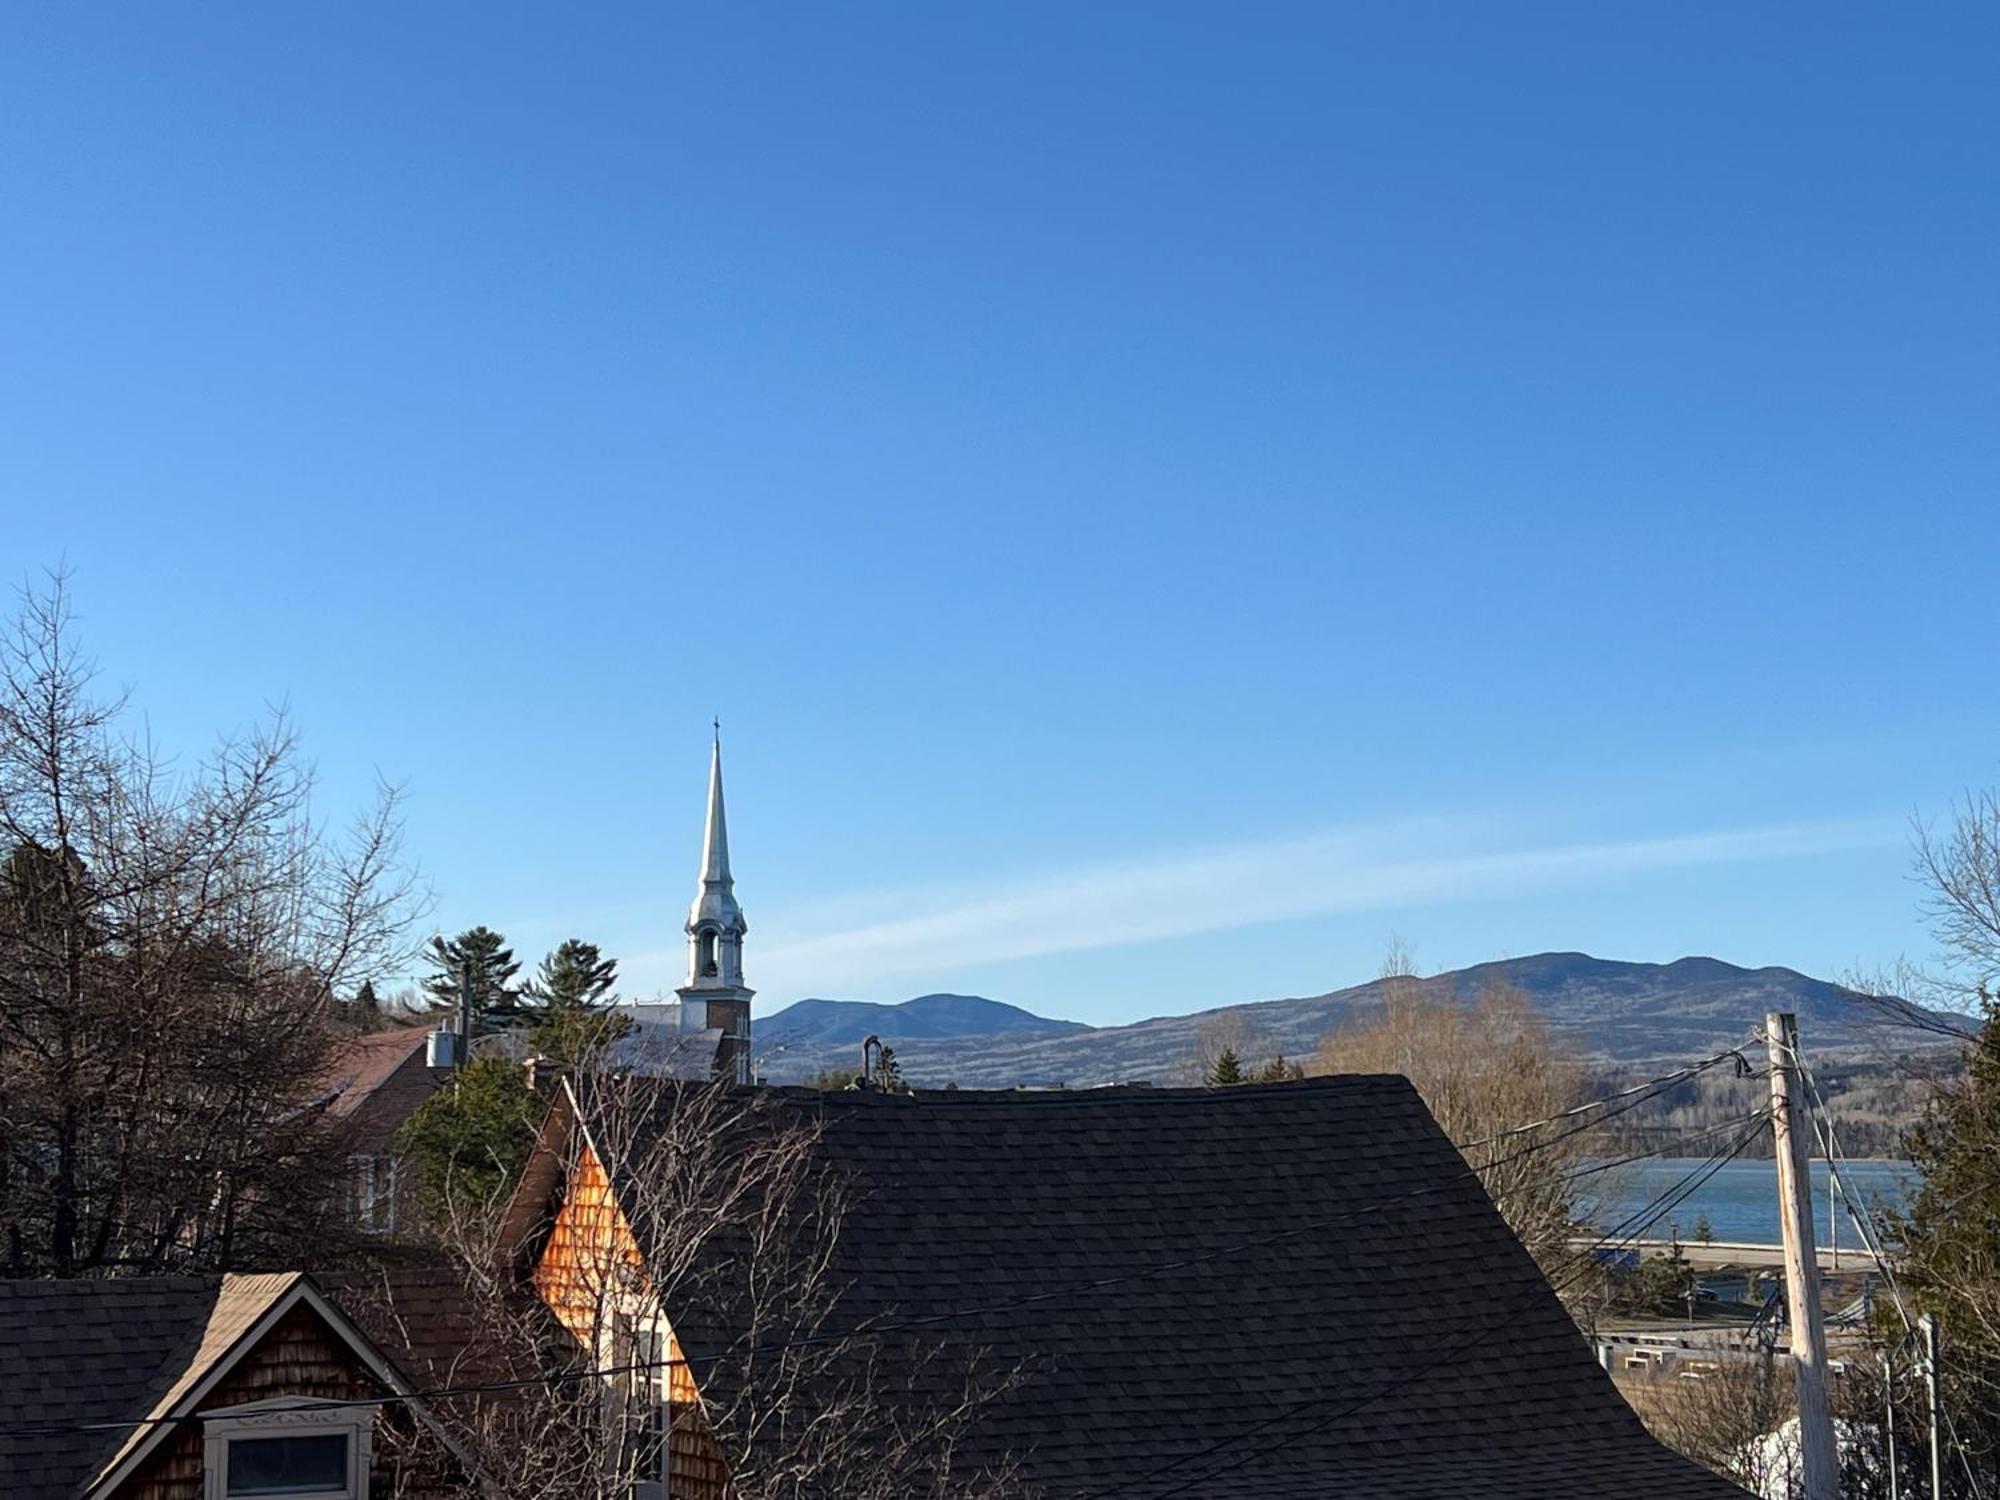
(715, 995)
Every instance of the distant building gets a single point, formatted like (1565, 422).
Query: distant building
(375, 1082)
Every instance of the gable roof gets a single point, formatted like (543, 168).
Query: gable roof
(129, 1354)
(376, 1081)
(1271, 1291)
(78, 1352)
(89, 1351)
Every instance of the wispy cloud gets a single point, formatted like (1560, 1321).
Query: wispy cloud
(1217, 889)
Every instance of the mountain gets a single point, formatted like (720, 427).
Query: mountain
(830, 1032)
(1607, 1010)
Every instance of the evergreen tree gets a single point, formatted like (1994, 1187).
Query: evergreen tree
(468, 1142)
(574, 977)
(573, 1037)
(889, 1073)
(1277, 1070)
(493, 968)
(1947, 1244)
(1228, 1069)
(1664, 1284)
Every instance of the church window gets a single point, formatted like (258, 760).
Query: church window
(706, 948)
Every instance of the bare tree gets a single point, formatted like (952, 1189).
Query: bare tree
(170, 943)
(1487, 1071)
(725, 1351)
(1728, 1415)
(1960, 871)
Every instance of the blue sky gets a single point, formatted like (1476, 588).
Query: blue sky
(1163, 498)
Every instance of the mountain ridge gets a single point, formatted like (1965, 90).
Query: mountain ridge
(815, 1022)
(1610, 1011)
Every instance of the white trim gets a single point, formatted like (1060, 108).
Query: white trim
(301, 1290)
(376, 1179)
(284, 1418)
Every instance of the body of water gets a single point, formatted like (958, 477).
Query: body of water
(1741, 1200)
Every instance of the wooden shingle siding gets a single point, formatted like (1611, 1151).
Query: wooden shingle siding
(300, 1356)
(590, 1254)
(589, 1259)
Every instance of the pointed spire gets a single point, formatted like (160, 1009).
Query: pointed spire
(715, 838)
(715, 896)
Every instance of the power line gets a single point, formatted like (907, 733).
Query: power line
(1679, 1076)
(1871, 1243)
(1624, 1100)
(1629, 1229)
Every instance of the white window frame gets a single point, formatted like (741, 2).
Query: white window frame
(284, 1418)
(375, 1183)
(628, 1315)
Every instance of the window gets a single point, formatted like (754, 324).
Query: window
(286, 1465)
(273, 1448)
(651, 1413)
(707, 945)
(375, 1193)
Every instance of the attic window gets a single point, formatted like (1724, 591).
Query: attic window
(286, 1465)
(277, 1449)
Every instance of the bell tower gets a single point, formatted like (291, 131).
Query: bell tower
(715, 995)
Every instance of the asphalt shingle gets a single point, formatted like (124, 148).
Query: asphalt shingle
(1258, 1293)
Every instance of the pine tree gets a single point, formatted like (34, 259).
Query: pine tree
(493, 967)
(468, 1142)
(1947, 1242)
(574, 977)
(1228, 1069)
(889, 1073)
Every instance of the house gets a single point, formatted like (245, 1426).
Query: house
(206, 1388)
(375, 1082)
(1261, 1293)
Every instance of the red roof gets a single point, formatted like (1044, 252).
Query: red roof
(378, 1080)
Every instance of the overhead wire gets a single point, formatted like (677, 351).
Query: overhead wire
(1824, 1128)
(1628, 1230)
(1625, 1100)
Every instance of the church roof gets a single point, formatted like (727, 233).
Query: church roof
(1257, 1293)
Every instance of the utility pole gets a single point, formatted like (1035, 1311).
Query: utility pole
(1790, 1136)
(1927, 1327)
(465, 1006)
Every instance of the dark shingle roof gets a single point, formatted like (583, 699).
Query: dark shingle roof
(77, 1352)
(1356, 1321)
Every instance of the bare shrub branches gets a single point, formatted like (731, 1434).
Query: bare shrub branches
(733, 1353)
(1483, 1069)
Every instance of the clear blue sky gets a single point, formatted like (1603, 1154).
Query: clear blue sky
(1162, 497)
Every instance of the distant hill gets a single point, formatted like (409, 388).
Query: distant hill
(1610, 1011)
(813, 1034)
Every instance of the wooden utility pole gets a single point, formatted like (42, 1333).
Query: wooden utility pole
(1790, 1136)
